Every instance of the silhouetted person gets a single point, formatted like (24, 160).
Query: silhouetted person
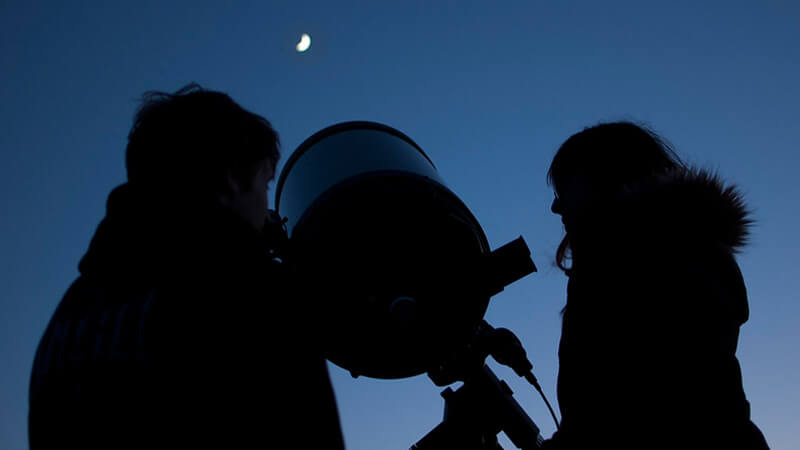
(180, 331)
(655, 298)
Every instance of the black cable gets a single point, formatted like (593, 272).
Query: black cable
(532, 380)
(507, 349)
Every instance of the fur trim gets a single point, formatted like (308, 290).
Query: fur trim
(691, 205)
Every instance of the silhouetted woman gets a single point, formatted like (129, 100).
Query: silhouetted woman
(655, 297)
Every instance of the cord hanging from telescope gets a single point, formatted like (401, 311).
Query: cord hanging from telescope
(535, 383)
(507, 349)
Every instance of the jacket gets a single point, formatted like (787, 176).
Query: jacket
(655, 300)
(179, 332)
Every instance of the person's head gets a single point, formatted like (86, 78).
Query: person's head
(197, 143)
(596, 164)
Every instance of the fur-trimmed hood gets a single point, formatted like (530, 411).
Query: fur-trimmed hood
(686, 210)
(692, 205)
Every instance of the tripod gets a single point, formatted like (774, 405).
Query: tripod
(484, 406)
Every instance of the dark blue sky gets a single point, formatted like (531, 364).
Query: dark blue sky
(488, 89)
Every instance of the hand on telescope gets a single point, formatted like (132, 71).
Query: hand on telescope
(275, 233)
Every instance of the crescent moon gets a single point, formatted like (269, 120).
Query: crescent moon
(304, 44)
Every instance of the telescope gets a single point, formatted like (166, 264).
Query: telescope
(394, 264)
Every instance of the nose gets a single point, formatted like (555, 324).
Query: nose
(555, 207)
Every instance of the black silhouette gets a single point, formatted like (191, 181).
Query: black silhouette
(655, 298)
(484, 405)
(404, 273)
(179, 331)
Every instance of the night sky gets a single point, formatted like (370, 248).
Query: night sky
(488, 89)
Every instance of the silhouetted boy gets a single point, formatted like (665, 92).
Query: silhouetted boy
(177, 332)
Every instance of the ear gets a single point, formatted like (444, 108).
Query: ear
(232, 185)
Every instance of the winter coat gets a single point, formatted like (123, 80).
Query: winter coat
(179, 333)
(655, 299)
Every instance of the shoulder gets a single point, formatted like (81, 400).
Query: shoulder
(668, 221)
(689, 209)
(672, 236)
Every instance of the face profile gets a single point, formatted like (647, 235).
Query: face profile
(248, 198)
(573, 200)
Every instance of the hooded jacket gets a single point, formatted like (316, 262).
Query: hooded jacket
(178, 333)
(655, 299)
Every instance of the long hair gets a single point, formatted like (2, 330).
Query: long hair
(610, 156)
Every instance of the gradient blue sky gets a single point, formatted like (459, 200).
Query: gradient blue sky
(488, 89)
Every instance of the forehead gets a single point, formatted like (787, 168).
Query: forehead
(568, 176)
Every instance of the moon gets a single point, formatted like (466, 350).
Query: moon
(304, 44)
